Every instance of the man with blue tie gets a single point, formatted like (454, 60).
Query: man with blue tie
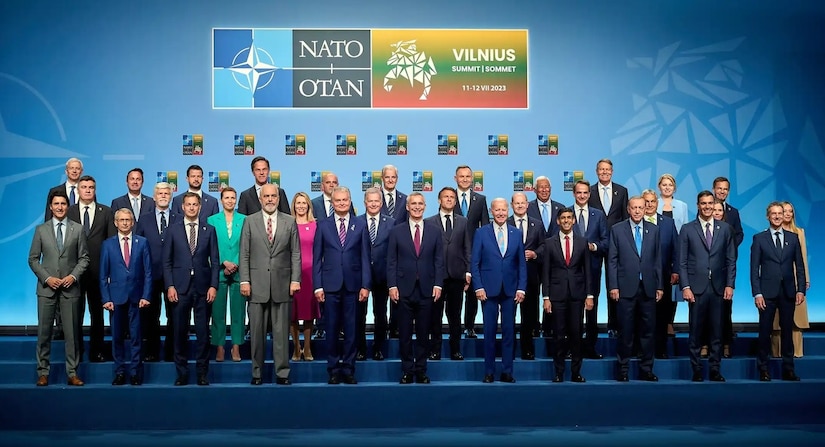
(139, 203)
(394, 203)
(473, 206)
(634, 281)
(592, 225)
(341, 277)
(191, 266)
(74, 170)
(499, 279)
(126, 285)
(533, 235)
(209, 203)
(778, 282)
(415, 276)
(707, 275)
(542, 207)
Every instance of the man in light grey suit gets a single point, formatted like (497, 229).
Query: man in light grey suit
(58, 256)
(270, 272)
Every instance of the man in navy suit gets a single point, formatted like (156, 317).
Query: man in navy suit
(669, 249)
(707, 275)
(250, 202)
(533, 236)
(499, 279)
(611, 199)
(457, 247)
(542, 207)
(341, 277)
(191, 266)
(592, 225)
(378, 227)
(634, 281)
(777, 283)
(140, 204)
(74, 170)
(473, 206)
(415, 275)
(394, 203)
(209, 204)
(568, 290)
(721, 189)
(154, 229)
(126, 285)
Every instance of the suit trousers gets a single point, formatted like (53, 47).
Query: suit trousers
(470, 309)
(452, 298)
(380, 296)
(591, 323)
(150, 321)
(261, 316)
(637, 317)
(727, 322)
(414, 315)
(567, 321)
(188, 304)
(47, 308)
(786, 306)
(664, 310)
(340, 314)
(125, 318)
(529, 315)
(490, 308)
(705, 318)
(237, 313)
(90, 288)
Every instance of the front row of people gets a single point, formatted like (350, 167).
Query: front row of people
(417, 272)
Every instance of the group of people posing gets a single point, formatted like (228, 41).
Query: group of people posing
(282, 263)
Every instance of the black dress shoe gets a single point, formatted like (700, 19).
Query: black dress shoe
(361, 356)
(151, 359)
(378, 355)
(97, 358)
(202, 381)
(697, 377)
(58, 336)
(406, 379)
(422, 378)
(578, 378)
(593, 355)
(716, 377)
(528, 356)
(507, 378)
(790, 376)
(349, 380)
(120, 379)
(456, 356)
(181, 381)
(283, 381)
(394, 333)
(435, 356)
(471, 333)
(488, 378)
(320, 334)
(648, 377)
(764, 376)
(622, 377)
(662, 356)
(333, 380)
(256, 381)
(137, 381)
(558, 378)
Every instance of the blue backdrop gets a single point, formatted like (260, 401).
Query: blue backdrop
(697, 89)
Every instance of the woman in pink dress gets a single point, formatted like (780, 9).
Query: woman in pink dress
(304, 306)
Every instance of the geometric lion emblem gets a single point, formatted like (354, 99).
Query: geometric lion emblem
(408, 63)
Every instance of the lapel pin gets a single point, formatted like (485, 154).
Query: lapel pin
(352, 228)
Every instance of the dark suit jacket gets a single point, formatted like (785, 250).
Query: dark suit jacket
(562, 282)
(209, 205)
(477, 214)
(700, 267)
(777, 274)
(624, 265)
(618, 206)
(669, 246)
(378, 250)
(336, 268)
(147, 204)
(249, 202)
(457, 247)
(597, 233)
(404, 267)
(400, 214)
(732, 219)
(535, 241)
(320, 210)
(491, 271)
(185, 271)
(120, 284)
(534, 211)
(101, 229)
(149, 229)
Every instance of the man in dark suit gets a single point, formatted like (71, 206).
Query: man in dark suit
(499, 279)
(592, 225)
(568, 290)
(473, 206)
(98, 224)
(209, 204)
(126, 286)
(154, 229)
(777, 283)
(378, 226)
(457, 248)
(542, 207)
(140, 204)
(533, 236)
(415, 276)
(341, 277)
(669, 250)
(394, 203)
(250, 201)
(58, 257)
(191, 266)
(707, 275)
(721, 189)
(611, 199)
(634, 281)
(74, 170)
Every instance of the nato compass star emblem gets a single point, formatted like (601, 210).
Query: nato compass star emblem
(253, 68)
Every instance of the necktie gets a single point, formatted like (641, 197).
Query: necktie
(269, 229)
(162, 223)
(86, 225)
(581, 224)
(638, 240)
(523, 230)
(192, 239)
(464, 204)
(72, 196)
(372, 230)
(500, 239)
(567, 249)
(708, 235)
(605, 200)
(135, 207)
(545, 216)
(329, 211)
(390, 204)
(448, 225)
(126, 254)
(59, 236)
(342, 231)
(417, 240)
(777, 241)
